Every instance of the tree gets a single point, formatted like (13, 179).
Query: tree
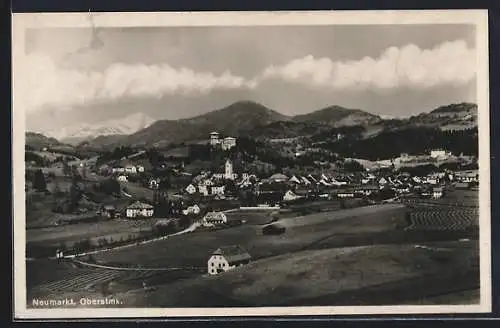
(84, 173)
(66, 168)
(57, 188)
(109, 186)
(39, 182)
(75, 195)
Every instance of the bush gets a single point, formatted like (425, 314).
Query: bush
(273, 229)
(109, 187)
(39, 182)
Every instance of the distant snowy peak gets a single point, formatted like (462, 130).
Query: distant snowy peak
(122, 126)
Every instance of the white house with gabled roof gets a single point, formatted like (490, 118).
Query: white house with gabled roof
(227, 258)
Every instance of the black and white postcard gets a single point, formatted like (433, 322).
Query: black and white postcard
(251, 163)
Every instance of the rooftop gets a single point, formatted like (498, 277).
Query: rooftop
(141, 205)
(233, 253)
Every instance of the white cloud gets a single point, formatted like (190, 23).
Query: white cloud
(450, 63)
(43, 83)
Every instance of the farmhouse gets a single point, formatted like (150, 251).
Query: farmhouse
(212, 218)
(227, 258)
(139, 209)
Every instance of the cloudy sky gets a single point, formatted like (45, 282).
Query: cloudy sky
(72, 76)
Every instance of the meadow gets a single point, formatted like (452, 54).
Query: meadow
(371, 275)
(193, 249)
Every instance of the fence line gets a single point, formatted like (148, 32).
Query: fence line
(134, 269)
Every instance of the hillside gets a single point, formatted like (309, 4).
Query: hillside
(103, 141)
(237, 118)
(451, 117)
(257, 121)
(37, 141)
(337, 116)
(79, 133)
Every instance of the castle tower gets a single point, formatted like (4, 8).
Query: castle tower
(228, 172)
(214, 138)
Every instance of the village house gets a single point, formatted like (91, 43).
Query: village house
(194, 209)
(402, 189)
(109, 211)
(214, 218)
(294, 180)
(139, 209)
(437, 192)
(154, 183)
(367, 189)
(140, 168)
(433, 180)
(226, 258)
(439, 154)
(190, 189)
(118, 169)
(122, 178)
(129, 168)
(347, 193)
(382, 181)
(291, 196)
(203, 189)
(278, 177)
(305, 181)
(217, 190)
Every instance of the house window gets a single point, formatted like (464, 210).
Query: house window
(212, 263)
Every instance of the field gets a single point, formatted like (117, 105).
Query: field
(375, 275)
(67, 277)
(137, 191)
(422, 252)
(193, 249)
(70, 234)
(451, 198)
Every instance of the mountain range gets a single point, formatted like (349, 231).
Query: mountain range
(76, 134)
(253, 119)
